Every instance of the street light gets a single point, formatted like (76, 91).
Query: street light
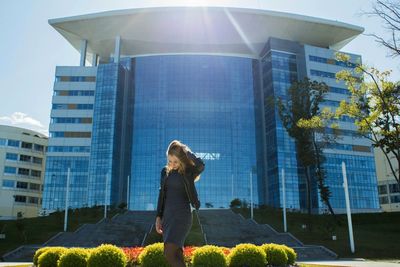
(66, 202)
(346, 193)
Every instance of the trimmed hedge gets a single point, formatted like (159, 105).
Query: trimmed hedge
(209, 256)
(247, 255)
(50, 257)
(153, 255)
(106, 256)
(74, 257)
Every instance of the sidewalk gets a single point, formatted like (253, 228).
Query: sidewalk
(4, 264)
(354, 263)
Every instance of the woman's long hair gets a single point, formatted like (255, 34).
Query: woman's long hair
(179, 150)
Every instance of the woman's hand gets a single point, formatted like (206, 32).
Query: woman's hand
(158, 225)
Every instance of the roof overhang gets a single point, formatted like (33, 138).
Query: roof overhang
(225, 30)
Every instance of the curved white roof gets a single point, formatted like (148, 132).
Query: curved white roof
(224, 30)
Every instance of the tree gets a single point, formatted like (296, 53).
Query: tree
(389, 12)
(375, 106)
(306, 123)
(235, 203)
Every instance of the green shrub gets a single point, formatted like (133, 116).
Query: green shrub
(74, 257)
(106, 256)
(153, 255)
(50, 257)
(38, 252)
(209, 256)
(291, 254)
(247, 255)
(275, 254)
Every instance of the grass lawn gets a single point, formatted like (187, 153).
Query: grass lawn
(376, 235)
(39, 230)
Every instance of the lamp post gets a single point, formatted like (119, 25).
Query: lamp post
(346, 193)
(284, 201)
(105, 197)
(251, 193)
(128, 191)
(66, 202)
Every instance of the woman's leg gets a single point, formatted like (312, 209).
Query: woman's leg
(174, 255)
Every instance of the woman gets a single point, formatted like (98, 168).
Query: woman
(177, 193)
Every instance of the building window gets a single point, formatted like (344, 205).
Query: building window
(383, 200)
(11, 156)
(71, 120)
(35, 187)
(37, 160)
(25, 158)
(9, 183)
(13, 143)
(33, 200)
(71, 134)
(81, 149)
(73, 106)
(22, 185)
(36, 173)
(382, 189)
(38, 147)
(26, 145)
(74, 93)
(10, 170)
(21, 199)
(75, 78)
(394, 188)
(395, 199)
(3, 142)
(23, 171)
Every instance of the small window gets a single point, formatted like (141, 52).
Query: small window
(36, 173)
(22, 185)
(394, 188)
(23, 171)
(11, 156)
(21, 199)
(25, 158)
(382, 189)
(38, 147)
(33, 200)
(8, 183)
(13, 143)
(26, 145)
(35, 187)
(37, 160)
(395, 199)
(3, 142)
(383, 200)
(10, 170)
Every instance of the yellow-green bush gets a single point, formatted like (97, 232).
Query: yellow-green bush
(153, 255)
(275, 254)
(74, 257)
(247, 255)
(38, 252)
(291, 254)
(50, 257)
(209, 256)
(106, 256)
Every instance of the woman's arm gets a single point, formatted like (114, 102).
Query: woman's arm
(198, 163)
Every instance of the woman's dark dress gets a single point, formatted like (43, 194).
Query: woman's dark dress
(177, 216)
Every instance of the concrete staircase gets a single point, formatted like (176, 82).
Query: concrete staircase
(123, 230)
(226, 228)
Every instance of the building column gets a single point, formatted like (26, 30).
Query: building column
(117, 50)
(94, 60)
(83, 52)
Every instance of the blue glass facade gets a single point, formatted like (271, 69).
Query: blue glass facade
(222, 107)
(206, 102)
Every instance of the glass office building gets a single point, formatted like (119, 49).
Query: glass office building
(208, 82)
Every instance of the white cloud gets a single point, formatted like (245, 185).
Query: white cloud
(23, 120)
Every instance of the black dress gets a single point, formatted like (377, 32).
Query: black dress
(177, 217)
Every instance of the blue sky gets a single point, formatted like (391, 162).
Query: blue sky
(31, 48)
